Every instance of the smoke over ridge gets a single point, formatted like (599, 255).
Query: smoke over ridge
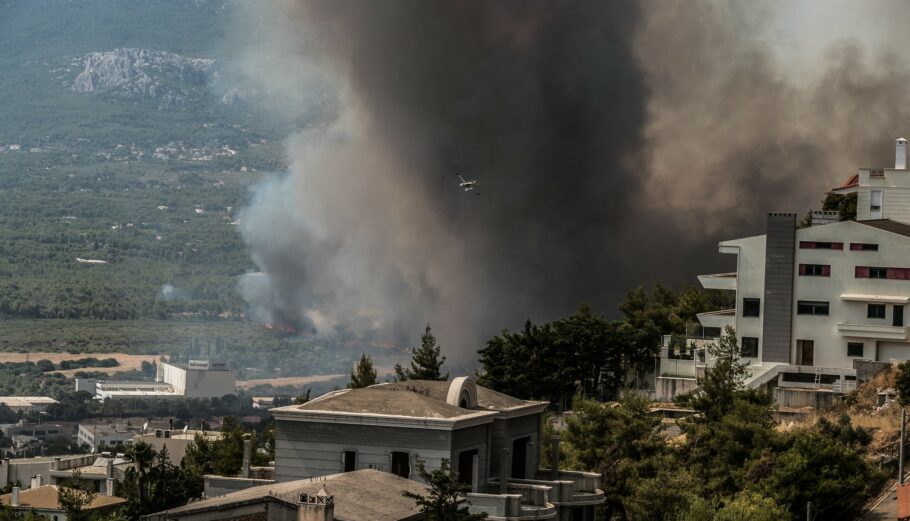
(614, 143)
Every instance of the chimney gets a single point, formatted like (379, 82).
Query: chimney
(14, 498)
(900, 154)
(109, 488)
(320, 507)
(37, 481)
(55, 465)
(554, 457)
(247, 456)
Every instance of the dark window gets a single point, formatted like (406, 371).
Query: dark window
(466, 466)
(520, 457)
(808, 307)
(854, 349)
(863, 246)
(401, 464)
(751, 307)
(749, 347)
(350, 461)
(878, 273)
(815, 270)
(898, 319)
(875, 311)
(812, 245)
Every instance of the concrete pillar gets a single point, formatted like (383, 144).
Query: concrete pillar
(109, 487)
(505, 469)
(247, 457)
(554, 457)
(55, 465)
(109, 468)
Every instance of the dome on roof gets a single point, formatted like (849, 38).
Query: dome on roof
(462, 393)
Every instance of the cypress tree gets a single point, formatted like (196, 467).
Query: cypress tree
(426, 361)
(363, 374)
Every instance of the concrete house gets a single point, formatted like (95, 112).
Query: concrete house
(817, 306)
(492, 440)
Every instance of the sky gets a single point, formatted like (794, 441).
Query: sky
(614, 143)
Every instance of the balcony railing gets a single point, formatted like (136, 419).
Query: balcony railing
(520, 502)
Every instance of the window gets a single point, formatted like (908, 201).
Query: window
(350, 461)
(751, 307)
(815, 270)
(879, 272)
(749, 347)
(813, 245)
(401, 464)
(875, 311)
(875, 204)
(854, 349)
(809, 307)
(863, 246)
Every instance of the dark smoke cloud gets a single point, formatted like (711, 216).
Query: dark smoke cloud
(615, 144)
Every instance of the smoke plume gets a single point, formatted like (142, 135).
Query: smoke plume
(614, 143)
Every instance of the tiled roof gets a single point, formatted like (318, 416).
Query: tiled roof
(851, 183)
(363, 495)
(47, 498)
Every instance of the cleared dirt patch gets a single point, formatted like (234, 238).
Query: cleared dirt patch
(127, 362)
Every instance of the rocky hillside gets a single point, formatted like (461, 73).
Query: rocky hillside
(172, 81)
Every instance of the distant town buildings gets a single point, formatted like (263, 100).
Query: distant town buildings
(176, 441)
(195, 379)
(817, 305)
(45, 501)
(27, 404)
(105, 436)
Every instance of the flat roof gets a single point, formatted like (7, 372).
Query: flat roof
(362, 495)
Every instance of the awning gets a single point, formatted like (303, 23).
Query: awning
(884, 299)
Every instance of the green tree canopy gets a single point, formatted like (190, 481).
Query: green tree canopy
(442, 502)
(426, 361)
(363, 374)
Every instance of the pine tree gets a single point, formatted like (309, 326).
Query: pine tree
(364, 374)
(443, 499)
(426, 362)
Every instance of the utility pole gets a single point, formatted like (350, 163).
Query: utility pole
(900, 457)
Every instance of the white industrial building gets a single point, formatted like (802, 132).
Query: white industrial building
(196, 379)
(814, 304)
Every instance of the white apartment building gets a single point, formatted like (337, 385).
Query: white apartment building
(814, 304)
(195, 379)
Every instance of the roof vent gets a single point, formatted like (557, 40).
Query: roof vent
(463, 393)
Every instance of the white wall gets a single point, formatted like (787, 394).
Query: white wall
(830, 345)
(750, 283)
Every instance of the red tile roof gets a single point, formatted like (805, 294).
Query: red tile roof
(851, 183)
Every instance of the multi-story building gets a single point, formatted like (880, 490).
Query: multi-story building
(101, 436)
(815, 303)
(492, 440)
(195, 379)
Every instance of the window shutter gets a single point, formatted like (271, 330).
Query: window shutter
(862, 272)
(837, 246)
(802, 269)
(826, 270)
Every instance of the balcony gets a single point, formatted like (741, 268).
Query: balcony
(519, 504)
(725, 281)
(720, 319)
(874, 331)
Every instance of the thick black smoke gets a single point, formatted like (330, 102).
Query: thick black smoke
(614, 143)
